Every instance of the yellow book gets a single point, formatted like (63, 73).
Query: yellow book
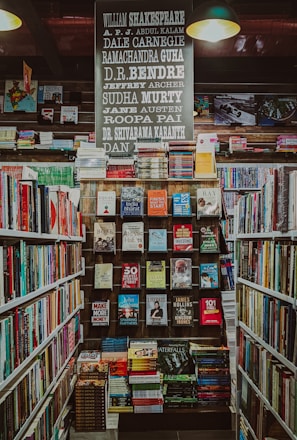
(205, 165)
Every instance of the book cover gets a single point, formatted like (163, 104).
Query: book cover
(156, 309)
(209, 239)
(128, 309)
(157, 240)
(156, 274)
(16, 98)
(210, 311)
(69, 114)
(209, 202)
(157, 203)
(132, 200)
(209, 276)
(47, 115)
(130, 275)
(180, 273)
(105, 237)
(182, 311)
(181, 205)
(205, 164)
(174, 357)
(133, 236)
(103, 276)
(106, 203)
(183, 237)
(100, 313)
(201, 105)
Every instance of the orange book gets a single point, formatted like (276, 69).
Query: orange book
(157, 203)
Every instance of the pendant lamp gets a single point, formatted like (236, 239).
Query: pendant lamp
(213, 21)
(9, 21)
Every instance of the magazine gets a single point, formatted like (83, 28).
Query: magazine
(156, 309)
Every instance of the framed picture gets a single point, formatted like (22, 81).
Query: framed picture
(17, 99)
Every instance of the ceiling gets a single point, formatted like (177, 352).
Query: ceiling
(57, 41)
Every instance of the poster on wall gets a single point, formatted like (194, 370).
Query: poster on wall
(144, 73)
(277, 110)
(17, 99)
(235, 109)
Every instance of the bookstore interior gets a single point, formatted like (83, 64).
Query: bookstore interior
(148, 218)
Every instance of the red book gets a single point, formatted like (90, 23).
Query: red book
(130, 275)
(183, 237)
(25, 206)
(211, 311)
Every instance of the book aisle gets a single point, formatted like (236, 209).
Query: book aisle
(170, 245)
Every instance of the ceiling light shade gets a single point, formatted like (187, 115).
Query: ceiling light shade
(9, 21)
(213, 21)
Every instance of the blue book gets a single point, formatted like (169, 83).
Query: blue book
(209, 276)
(181, 205)
(128, 309)
(132, 201)
(157, 240)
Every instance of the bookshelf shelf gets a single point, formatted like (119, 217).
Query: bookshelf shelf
(267, 291)
(268, 347)
(268, 405)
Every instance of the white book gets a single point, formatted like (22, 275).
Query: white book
(103, 276)
(133, 236)
(106, 203)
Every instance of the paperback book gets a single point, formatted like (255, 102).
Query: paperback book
(174, 357)
(182, 311)
(180, 273)
(209, 276)
(157, 240)
(130, 276)
(157, 203)
(133, 236)
(210, 311)
(105, 237)
(209, 239)
(156, 274)
(181, 205)
(132, 201)
(209, 202)
(100, 313)
(156, 309)
(103, 276)
(69, 114)
(128, 309)
(106, 203)
(183, 237)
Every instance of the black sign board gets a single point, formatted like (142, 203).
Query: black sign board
(144, 73)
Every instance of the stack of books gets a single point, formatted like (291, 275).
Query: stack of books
(212, 374)
(26, 139)
(286, 143)
(62, 144)
(8, 137)
(144, 378)
(45, 140)
(179, 391)
(181, 160)
(90, 404)
(152, 160)
(120, 167)
(90, 161)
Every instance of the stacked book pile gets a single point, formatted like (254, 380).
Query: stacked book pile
(212, 374)
(45, 140)
(152, 160)
(62, 144)
(286, 143)
(26, 139)
(120, 167)
(90, 161)
(181, 160)
(143, 376)
(90, 404)
(179, 391)
(114, 350)
(8, 137)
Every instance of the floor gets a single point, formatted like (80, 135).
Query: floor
(178, 435)
(158, 435)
